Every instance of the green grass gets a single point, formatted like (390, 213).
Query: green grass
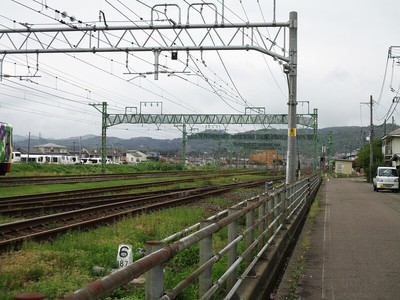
(61, 267)
(48, 188)
(34, 169)
(66, 265)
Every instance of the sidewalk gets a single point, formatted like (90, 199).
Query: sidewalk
(355, 245)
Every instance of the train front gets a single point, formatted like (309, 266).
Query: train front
(5, 148)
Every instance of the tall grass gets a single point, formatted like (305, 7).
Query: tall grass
(66, 264)
(60, 267)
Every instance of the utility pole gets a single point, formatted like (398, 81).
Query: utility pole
(392, 123)
(371, 136)
(371, 139)
(291, 71)
(384, 128)
(315, 139)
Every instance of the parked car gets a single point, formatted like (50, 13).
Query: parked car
(386, 178)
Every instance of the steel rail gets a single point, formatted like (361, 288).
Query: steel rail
(9, 181)
(53, 204)
(84, 218)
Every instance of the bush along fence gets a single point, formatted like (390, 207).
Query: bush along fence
(242, 264)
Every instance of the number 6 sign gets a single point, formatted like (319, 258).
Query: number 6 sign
(124, 257)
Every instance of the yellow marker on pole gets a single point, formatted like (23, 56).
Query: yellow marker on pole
(292, 131)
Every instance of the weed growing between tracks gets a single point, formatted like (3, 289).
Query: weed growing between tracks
(62, 187)
(48, 188)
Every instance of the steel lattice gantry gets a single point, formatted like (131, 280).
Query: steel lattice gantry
(221, 119)
(306, 120)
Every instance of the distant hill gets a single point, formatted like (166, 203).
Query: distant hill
(350, 138)
(345, 139)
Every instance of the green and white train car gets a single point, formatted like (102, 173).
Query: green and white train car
(5, 148)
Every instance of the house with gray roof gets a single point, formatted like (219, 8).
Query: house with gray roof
(391, 147)
(134, 156)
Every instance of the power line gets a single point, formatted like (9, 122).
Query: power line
(182, 104)
(198, 69)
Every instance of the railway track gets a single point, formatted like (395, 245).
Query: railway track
(46, 227)
(76, 194)
(30, 180)
(45, 203)
(46, 206)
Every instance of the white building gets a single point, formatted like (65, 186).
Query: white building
(391, 147)
(51, 148)
(135, 156)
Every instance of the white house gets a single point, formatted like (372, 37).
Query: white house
(391, 147)
(52, 148)
(135, 156)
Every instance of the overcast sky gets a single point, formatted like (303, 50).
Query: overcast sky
(342, 60)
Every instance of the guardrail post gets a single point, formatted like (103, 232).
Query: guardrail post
(276, 209)
(289, 196)
(270, 208)
(262, 222)
(155, 276)
(287, 199)
(232, 253)
(250, 232)
(205, 279)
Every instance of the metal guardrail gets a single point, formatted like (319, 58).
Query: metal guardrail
(265, 216)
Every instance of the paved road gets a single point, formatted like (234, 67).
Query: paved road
(355, 244)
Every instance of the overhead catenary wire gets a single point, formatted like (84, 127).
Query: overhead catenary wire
(42, 113)
(198, 69)
(182, 103)
(225, 68)
(224, 65)
(205, 78)
(79, 83)
(202, 76)
(268, 38)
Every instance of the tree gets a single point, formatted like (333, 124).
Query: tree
(378, 159)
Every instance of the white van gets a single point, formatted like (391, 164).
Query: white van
(386, 178)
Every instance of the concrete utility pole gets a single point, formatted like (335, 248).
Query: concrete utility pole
(371, 136)
(371, 139)
(291, 71)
